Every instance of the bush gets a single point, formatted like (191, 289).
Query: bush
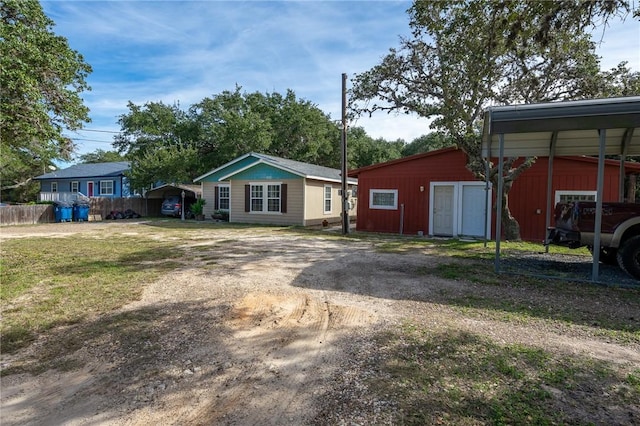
(198, 206)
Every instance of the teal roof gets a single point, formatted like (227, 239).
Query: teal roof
(297, 168)
(80, 171)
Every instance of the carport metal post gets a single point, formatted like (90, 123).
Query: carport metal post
(499, 201)
(547, 220)
(595, 271)
(182, 206)
(626, 140)
(487, 170)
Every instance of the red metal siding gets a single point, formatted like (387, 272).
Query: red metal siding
(527, 199)
(407, 177)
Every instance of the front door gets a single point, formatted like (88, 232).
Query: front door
(89, 189)
(443, 210)
(474, 202)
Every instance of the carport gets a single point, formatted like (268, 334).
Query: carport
(161, 192)
(595, 127)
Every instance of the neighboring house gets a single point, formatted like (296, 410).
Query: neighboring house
(91, 180)
(259, 188)
(435, 194)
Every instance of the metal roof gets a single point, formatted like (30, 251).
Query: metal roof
(89, 170)
(587, 127)
(528, 129)
(174, 189)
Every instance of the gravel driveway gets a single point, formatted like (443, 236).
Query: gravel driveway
(258, 333)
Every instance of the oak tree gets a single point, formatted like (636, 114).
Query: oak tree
(464, 56)
(42, 79)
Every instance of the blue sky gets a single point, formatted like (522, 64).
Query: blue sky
(175, 51)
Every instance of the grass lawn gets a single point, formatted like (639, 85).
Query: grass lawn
(443, 376)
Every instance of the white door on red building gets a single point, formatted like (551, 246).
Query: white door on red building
(473, 210)
(443, 210)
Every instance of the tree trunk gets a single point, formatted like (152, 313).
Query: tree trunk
(510, 225)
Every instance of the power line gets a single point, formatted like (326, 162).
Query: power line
(89, 140)
(97, 131)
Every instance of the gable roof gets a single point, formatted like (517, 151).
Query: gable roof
(158, 192)
(305, 170)
(79, 171)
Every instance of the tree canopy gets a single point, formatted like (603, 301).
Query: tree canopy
(100, 156)
(426, 143)
(464, 56)
(42, 78)
(168, 144)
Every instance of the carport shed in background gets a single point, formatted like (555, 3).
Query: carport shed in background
(589, 127)
(158, 194)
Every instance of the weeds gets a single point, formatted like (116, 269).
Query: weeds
(454, 377)
(47, 282)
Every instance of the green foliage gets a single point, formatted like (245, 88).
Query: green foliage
(165, 164)
(101, 156)
(454, 377)
(67, 279)
(363, 150)
(464, 56)
(168, 144)
(198, 206)
(221, 215)
(426, 143)
(42, 79)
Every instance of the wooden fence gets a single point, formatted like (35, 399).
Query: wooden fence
(99, 209)
(26, 214)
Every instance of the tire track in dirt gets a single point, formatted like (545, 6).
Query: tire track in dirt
(284, 347)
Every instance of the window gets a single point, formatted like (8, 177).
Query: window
(384, 199)
(54, 186)
(327, 198)
(257, 198)
(265, 198)
(567, 196)
(223, 197)
(75, 186)
(273, 198)
(106, 187)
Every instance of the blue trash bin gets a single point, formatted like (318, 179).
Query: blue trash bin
(80, 212)
(63, 213)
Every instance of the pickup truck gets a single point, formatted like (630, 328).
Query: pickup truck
(619, 233)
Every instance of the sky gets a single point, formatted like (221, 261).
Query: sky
(184, 51)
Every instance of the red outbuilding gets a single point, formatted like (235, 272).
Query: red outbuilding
(435, 194)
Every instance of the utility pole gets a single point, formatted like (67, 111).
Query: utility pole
(345, 195)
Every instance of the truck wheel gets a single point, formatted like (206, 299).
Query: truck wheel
(608, 255)
(629, 257)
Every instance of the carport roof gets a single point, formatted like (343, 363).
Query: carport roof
(528, 129)
(195, 189)
(588, 127)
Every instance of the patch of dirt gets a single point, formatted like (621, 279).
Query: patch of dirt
(251, 334)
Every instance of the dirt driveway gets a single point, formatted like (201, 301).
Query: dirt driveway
(253, 329)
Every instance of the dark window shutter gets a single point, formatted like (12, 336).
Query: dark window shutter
(115, 189)
(283, 198)
(247, 198)
(216, 204)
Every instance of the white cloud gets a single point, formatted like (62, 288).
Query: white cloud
(184, 51)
